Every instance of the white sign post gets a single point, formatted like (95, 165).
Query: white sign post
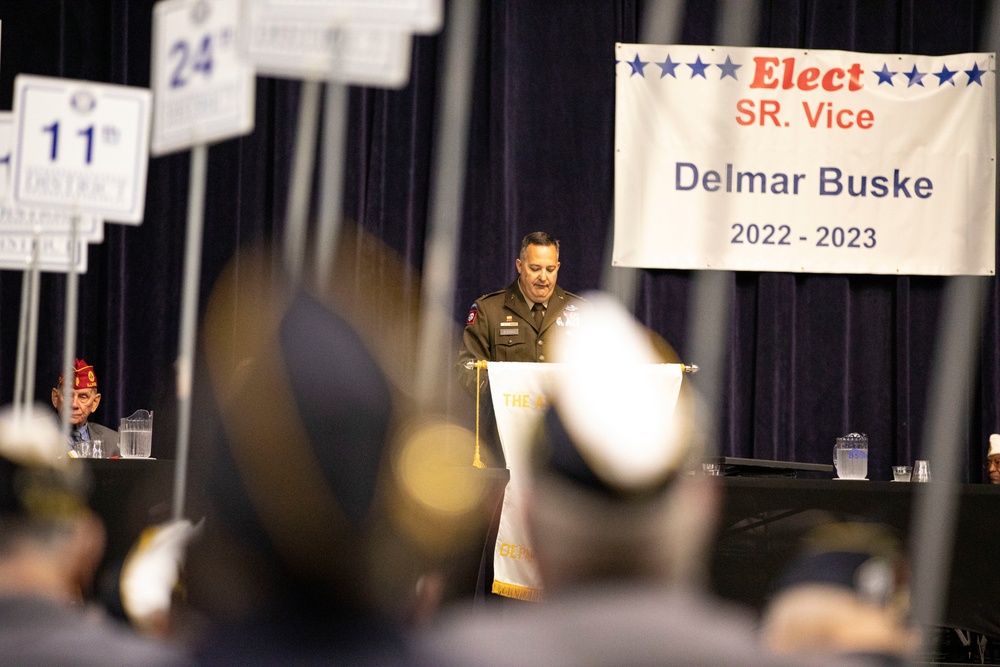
(204, 92)
(340, 42)
(302, 48)
(351, 41)
(80, 148)
(22, 222)
(6, 147)
(53, 253)
(420, 16)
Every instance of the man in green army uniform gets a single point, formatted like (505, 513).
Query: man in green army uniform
(521, 322)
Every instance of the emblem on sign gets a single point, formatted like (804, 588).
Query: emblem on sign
(200, 13)
(82, 101)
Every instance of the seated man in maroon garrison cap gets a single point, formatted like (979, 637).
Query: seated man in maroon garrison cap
(84, 402)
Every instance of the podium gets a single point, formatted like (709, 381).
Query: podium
(520, 397)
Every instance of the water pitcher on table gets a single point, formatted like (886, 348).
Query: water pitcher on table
(850, 456)
(136, 435)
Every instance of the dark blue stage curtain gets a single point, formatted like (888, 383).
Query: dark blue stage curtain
(810, 356)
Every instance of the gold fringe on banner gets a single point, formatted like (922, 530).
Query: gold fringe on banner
(516, 592)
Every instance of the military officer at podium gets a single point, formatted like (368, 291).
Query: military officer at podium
(521, 322)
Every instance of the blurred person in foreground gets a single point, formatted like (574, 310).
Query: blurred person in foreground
(620, 529)
(50, 547)
(327, 506)
(993, 459)
(84, 400)
(846, 594)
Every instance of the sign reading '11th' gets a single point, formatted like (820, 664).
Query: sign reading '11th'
(81, 146)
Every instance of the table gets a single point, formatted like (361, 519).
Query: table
(132, 494)
(763, 518)
(129, 495)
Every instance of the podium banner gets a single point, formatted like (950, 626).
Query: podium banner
(762, 159)
(520, 397)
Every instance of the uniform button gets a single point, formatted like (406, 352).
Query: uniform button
(539, 342)
(541, 357)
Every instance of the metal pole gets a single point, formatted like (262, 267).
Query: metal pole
(331, 179)
(661, 24)
(69, 330)
(189, 317)
(448, 186)
(936, 504)
(932, 528)
(31, 353)
(22, 341)
(296, 220)
(708, 321)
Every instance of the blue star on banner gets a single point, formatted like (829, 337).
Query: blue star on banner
(698, 68)
(637, 66)
(667, 67)
(945, 76)
(975, 74)
(915, 76)
(728, 69)
(884, 75)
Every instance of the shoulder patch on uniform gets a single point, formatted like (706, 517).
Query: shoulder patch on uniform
(473, 312)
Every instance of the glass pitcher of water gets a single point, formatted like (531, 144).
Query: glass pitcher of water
(136, 435)
(850, 456)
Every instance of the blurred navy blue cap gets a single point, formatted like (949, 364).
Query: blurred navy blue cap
(864, 558)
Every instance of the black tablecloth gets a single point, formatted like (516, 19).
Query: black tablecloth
(132, 494)
(129, 495)
(763, 519)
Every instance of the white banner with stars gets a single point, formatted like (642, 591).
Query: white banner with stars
(754, 159)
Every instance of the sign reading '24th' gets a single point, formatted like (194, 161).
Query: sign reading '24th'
(204, 91)
(81, 146)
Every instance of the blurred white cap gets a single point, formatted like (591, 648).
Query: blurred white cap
(615, 401)
(151, 572)
(31, 436)
(994, 444)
